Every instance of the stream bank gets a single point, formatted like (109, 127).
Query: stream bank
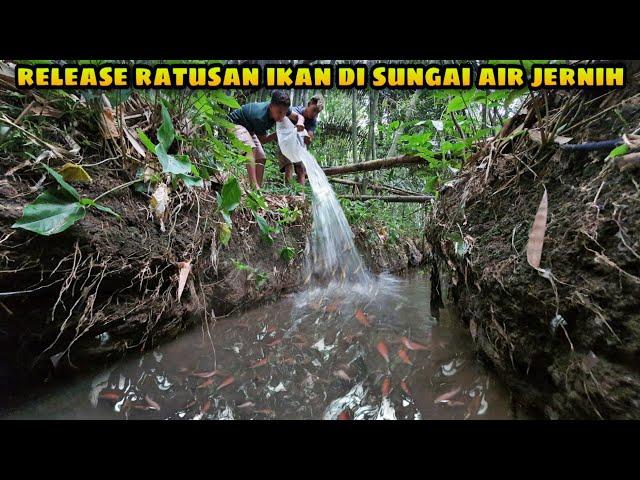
(106, 287)
(574, 355)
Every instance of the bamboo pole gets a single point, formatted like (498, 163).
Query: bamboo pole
(379, 164)
(391, 198)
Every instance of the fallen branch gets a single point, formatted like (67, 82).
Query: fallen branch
(374, 187)
(378, 164)
(391, 198)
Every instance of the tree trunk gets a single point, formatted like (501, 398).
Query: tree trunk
(391, 198)
(379, 164)
(375, 187)
(354, 126)
(400, 130)
(373, 107)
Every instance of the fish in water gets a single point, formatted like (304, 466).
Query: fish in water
(152, 404)
(227, 382)
(362, 318)
(404, 356)
(213, 373)
(405, 388)
(446, 397)
(345, 415)
(260, 363)
(383, 350)
(112, 396)
(386, 387)
(413, 345)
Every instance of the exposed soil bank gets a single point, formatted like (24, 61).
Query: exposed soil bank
(588, 367)
(106, 286)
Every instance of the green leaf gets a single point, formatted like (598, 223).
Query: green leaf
(226, 217)
(146, 141)
(191, 181)
(287, 254)
(261, 278)
(221, 97)
(240, 266)
(173, 164)
(430, 183)
(116, 97)
(50, 213)
(102, 208)
(203, 105)
(72, 172)
(230, 196)
(68, 188)
(166, 132)
(223, 122)
(224, 233)
(255, 201)
(455, 104)
(619, 150)
(265, 229)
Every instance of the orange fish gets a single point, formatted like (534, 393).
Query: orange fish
(343, 375)
(383, 350)
(344, 415)
(265, 411)
(260, 363)
(205, 408)
(206, 383)
(413, 345)
(246, 405)
(113, 396)
(404, 356)
(446, 397)
(405, 388)
(362, 318)
(227, 382)
(386, 387)
(213, 373)
(152, 403)
(274, 343)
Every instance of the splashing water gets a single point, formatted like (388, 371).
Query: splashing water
(333, 256)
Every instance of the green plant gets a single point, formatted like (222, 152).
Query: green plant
(265, 229)
(229, 198)
(178, 166)
(289, 215)
(258, 276)
(54, 211)
(287, 254)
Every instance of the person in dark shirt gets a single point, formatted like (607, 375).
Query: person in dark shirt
(253, 120)
(310, 114)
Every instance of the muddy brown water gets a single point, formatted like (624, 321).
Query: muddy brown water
(320, 357)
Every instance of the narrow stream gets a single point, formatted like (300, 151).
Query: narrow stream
(337, 358)
(349, 345)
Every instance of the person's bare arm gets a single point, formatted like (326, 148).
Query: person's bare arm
(309, 139)
(267, 138)
(298, 120)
